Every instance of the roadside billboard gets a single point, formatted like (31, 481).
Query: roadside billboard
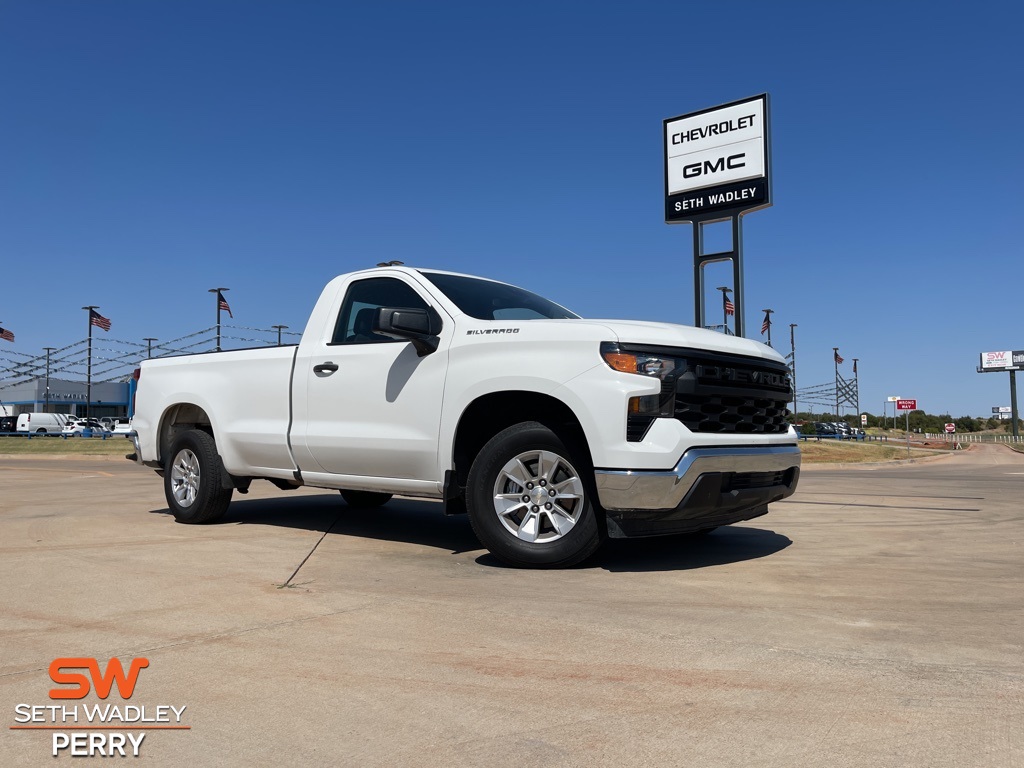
(1005, 360)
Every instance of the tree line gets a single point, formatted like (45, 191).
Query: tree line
(919, 422)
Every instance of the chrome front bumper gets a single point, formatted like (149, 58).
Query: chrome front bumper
(628, 490)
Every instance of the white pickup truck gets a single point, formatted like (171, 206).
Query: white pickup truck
(550, 430)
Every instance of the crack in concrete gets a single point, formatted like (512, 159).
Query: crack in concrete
(288, 581)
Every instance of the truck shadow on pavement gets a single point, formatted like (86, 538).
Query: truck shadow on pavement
(423, 523)
(725, 545)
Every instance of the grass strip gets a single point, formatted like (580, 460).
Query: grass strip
(59, 446)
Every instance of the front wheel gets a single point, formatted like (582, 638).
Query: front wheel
(192, 479)
(530, 503)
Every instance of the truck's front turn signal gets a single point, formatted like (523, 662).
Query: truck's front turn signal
(620, 361)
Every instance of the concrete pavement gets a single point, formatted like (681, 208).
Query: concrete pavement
(873, 619)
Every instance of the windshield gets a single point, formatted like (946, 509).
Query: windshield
(487, 300)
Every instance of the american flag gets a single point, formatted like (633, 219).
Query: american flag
(838, 358)
(222, 303)
(95, 318)
(6, 335)
(767, 322)
(730, 308)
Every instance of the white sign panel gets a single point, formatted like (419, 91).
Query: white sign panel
(992, 360)
(716, 147)
(716, 160)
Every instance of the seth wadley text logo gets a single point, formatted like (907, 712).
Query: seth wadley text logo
(96, 730)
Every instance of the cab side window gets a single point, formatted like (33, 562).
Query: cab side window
(363, 299)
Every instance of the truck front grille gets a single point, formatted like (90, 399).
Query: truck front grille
(714, 393)
(741, 415)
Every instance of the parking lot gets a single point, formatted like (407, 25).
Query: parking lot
(876, 618)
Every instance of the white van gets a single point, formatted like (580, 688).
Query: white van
(41, 423)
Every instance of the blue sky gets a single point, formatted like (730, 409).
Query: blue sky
(152, 150)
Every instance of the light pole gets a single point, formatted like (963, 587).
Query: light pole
(218, 297)
(725, 306)
(792, 354)
(46, 406)
(279, 329)
(856, 385)
(149, 346)
(88, 367)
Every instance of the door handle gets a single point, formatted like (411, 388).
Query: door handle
(325, 368)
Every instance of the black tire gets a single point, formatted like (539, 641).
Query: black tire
(365, 499)
(40, 431)
(192, 479)
(558, 526)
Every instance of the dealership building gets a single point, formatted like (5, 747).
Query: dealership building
(108, 398)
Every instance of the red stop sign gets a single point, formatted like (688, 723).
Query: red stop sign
(951, 427)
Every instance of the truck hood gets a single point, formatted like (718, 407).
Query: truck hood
(672, 335)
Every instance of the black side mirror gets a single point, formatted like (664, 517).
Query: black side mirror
(420, 326)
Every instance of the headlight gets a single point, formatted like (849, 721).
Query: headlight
(641, 363)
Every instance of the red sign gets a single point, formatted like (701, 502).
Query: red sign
(951, 427)
(906, 405)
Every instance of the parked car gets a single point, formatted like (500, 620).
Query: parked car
(8, 423)
(121, 427)
(77, 428)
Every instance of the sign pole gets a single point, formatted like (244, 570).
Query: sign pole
(908, 434)
(1013, 401)
(717, 168)
(1011, 362)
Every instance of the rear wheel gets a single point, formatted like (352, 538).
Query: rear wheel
(192, 483)
(531, 501)
(365, 499)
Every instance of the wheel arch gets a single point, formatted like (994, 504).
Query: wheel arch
(489, 414)
(179, 418)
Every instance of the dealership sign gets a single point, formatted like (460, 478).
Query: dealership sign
(1002, 361)
(717, 161)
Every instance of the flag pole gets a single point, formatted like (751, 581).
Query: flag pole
(88, 368)
(725, 306)
(835, 359)
(768, 320)
(216, 298)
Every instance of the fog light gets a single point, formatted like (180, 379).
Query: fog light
(645, 404)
